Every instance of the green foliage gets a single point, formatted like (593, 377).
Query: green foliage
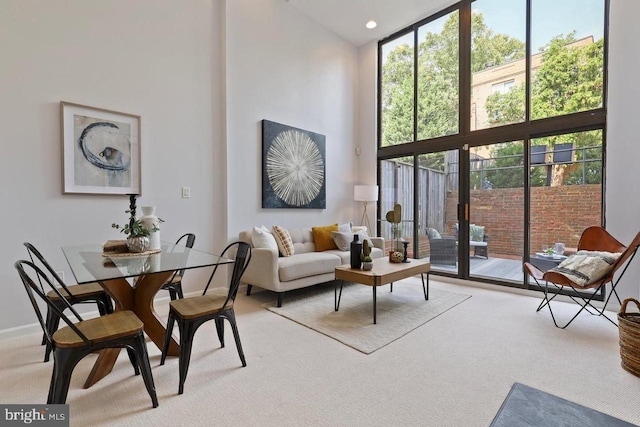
(137, 229)
(366, 250)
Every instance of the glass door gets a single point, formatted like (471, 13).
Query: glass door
(496, 211)
(438, 177)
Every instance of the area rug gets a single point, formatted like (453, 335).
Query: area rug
(399, 312)
(526, 406)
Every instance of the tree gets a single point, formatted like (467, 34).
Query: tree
(438, 77)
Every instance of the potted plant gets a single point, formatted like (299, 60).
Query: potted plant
(367, 262)
(138, 236)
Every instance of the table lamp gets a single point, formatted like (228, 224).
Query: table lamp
(365, 194)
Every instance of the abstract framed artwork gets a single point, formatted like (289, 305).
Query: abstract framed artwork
(101, 150)
(293, 167)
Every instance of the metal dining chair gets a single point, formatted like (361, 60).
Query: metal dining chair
(91, 293)
(174, 284)
(191, 313)
(73, 342)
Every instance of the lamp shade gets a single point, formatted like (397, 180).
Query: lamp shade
(365, 193)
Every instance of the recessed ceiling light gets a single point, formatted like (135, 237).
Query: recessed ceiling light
(371, 24)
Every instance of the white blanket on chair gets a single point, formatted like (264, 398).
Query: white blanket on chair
(587, 267)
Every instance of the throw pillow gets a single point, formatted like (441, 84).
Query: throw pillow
(343, 240)
(323, 238)
(476, 233)
(357, 228)
(263, 239)
(587, 267)
(345, 228)
(433, 233)
(283, 239)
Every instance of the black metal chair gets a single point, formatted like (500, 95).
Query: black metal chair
(174, 284)
(73, 342)
(75, 294)
(191, 313)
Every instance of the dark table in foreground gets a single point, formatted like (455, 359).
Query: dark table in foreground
(88, 264)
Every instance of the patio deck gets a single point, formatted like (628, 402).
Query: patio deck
(492, 268)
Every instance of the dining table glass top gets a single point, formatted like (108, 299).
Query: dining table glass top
(89, 264)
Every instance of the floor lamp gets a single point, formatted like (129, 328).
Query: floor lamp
(365, 194)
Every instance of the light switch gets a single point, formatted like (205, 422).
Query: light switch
(186, 192)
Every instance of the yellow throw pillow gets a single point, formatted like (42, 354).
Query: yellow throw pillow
(323, 238)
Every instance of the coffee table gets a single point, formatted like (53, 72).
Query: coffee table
(383, 273)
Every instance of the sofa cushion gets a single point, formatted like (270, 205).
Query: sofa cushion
(283, 239)
(323, 238)
(302, 240)
(261, 237)
(308, 264)
(476, 233)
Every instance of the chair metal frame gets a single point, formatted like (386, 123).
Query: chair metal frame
(65, 359)
(103, 301)
(188, 327)
(593, 239)
(175, 288)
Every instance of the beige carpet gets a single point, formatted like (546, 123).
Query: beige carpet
(454, 371)
(398, 312)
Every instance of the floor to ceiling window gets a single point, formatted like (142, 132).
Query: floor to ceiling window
(491, 132)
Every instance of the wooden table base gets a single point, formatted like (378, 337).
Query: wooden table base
(139, 299)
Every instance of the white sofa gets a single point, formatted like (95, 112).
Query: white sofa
(306, 267)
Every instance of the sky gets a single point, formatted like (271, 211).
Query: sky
(549, 18)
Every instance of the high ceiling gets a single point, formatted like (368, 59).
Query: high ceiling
(347, 18)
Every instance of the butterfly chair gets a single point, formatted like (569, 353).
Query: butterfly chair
(73, 342)
(592, 239)
(191, 313)
(75, 294)
(174, 284)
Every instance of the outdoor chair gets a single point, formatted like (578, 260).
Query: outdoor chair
(442, 250)
(191, 313)
(593, 239)
(75, 294)
(73, 342)
(174, 283)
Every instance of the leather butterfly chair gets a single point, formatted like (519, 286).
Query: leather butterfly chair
(191, 313)
(73, 342)
(174, 284)
(593, 239)
(75, 294)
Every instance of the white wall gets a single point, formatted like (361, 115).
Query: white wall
(160, 59)
(284, 67)
(623, 140)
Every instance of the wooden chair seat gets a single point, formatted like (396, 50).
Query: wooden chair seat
(100, 329)
(204, 305)
(78, 291)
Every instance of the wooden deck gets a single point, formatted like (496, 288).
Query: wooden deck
(492, 268)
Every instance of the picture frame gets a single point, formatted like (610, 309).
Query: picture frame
(293, 167)
(101, 150)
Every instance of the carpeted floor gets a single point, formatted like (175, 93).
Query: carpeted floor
(454, 370)
(398, 312)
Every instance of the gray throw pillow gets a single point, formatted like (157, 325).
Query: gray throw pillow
(343, 240)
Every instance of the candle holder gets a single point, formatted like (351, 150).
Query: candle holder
(405, 259)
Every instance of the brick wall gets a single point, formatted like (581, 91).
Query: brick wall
(558, 214)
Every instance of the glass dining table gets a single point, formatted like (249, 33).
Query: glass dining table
(88, 264)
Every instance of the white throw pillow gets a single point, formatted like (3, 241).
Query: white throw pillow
(344, 228)
(263, 239)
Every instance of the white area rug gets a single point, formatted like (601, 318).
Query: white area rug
(398, 312)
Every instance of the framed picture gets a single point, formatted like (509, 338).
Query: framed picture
(101, 150)
(293, 167)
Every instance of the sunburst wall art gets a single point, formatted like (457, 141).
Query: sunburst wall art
(293, 167)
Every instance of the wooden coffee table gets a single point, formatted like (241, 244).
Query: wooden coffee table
(383, 273)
